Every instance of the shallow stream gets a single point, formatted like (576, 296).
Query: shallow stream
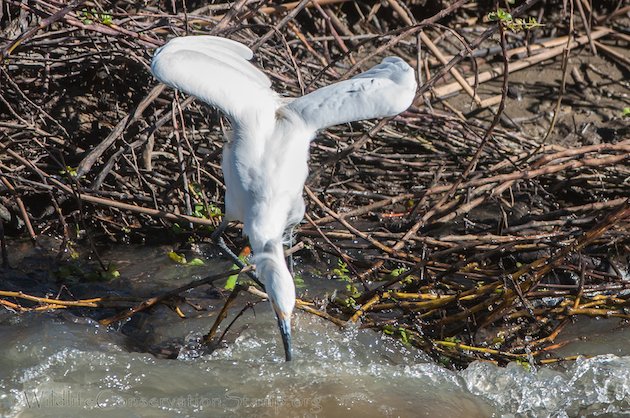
(63, 363)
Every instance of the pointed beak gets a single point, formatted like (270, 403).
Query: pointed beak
(285, 331)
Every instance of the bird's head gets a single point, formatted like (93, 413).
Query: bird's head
(273, 271)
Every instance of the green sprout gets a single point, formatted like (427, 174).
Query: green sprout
(299, 281)
(68, 171)
(351, 303)
(111, 273)
(400, 331)
(524, 364)
(201, 210)
(397, 272)
(404, 337)
(89, 17)
(515, 25)
(341, 272)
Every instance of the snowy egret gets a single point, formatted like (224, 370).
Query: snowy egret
(265, 155)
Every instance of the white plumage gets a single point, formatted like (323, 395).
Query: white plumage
(265, 156)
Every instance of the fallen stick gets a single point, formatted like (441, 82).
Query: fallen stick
(156, 299)
(444, 91)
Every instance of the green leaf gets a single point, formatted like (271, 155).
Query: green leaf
(350, 302)
(404, 337)
(196, 262)
(341, 272)
(230, 283)
(524, 364)
(214, 211)
(199, 211)
(515, 25)
(70, 171)
(397, 272)
(106, 19)
(299, 281)
(177, 228)
(112, 272)
(178, 258)
(504, 15)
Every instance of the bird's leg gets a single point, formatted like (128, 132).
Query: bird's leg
(217, 238)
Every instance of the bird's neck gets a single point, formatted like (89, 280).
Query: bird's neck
(273, 271)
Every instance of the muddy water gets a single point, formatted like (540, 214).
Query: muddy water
(65, 364)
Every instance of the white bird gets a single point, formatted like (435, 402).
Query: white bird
(265, 155)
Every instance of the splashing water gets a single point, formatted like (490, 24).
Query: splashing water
(58, 364)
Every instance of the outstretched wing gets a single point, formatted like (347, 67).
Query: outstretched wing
(384, 90)
(218, 71)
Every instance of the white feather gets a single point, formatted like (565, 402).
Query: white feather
(384, 90)
(217, 71)
(265, 157)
